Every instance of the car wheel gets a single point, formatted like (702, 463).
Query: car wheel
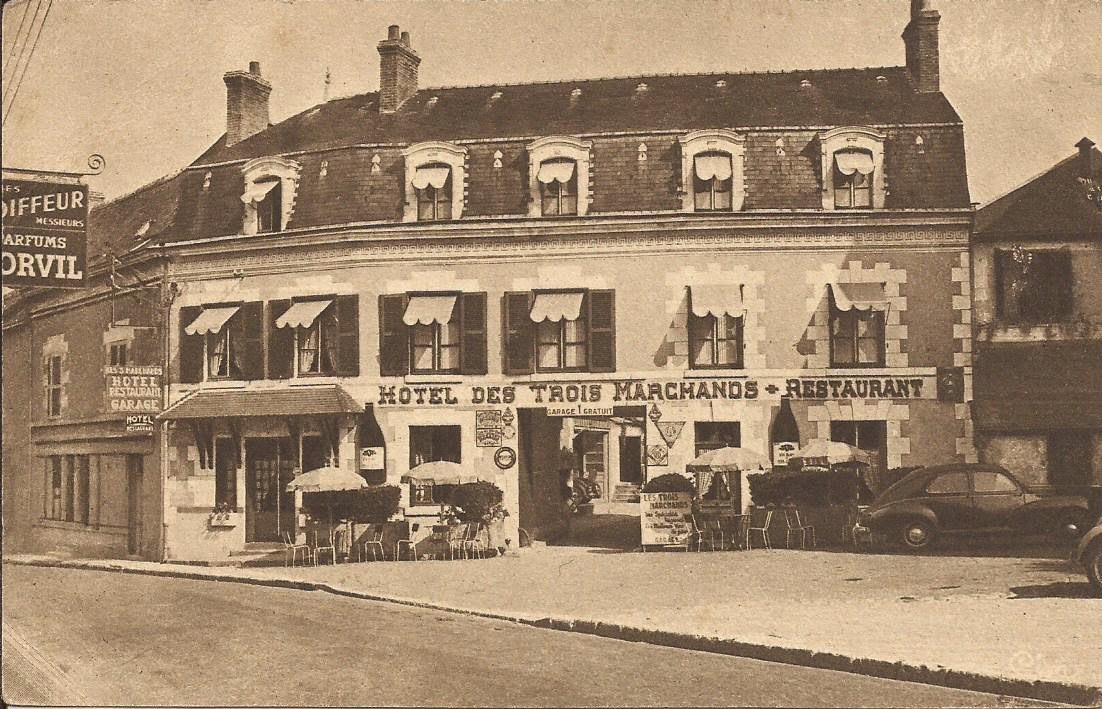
(916, 534)
(1093, 561)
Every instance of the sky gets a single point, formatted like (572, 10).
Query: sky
(140, 81)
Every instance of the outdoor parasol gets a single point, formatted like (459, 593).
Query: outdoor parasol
(721, 462)
(827, 453)
(327, 479)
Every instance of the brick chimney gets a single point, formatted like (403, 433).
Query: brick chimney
(246, 103)
(397, 70)
(1089, 162)
(920, 39)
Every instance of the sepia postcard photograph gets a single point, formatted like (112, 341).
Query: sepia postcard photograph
(552, 353)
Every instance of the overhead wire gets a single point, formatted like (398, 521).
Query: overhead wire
(37, 36)
(15, 41)
(12, 67)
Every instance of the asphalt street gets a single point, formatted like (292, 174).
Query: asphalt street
(80, 637)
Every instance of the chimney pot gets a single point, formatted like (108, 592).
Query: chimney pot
(246, 103)
(397, 70)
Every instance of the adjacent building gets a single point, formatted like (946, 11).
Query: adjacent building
(1038, 325)
(606, 275)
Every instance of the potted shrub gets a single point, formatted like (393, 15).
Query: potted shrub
(670, 482)
(376, 505)
(482, 501)
(222, 515)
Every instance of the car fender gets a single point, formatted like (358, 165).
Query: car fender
(1091, 539)
(886, 518)
(1050, 508)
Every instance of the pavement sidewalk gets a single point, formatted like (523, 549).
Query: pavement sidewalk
(1026, 627)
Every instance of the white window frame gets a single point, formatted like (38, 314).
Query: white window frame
(287, 171)
(421, 154)
(563, 147)
(52, 386)
(717, 140)
(853, 138)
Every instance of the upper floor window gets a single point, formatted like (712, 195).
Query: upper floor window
(715, 327)
(221, 341)
(558, 187)
(559, 176)
(314, 336)
(857, 324)
(712, 171)
(270, 187)
(53, 366)
(853, 168)
(119, 354)
(852, 179)
(1033, 286)
(432, 333)
(435, 176)
(560, 331)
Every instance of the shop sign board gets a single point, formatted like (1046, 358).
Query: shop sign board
(664, 517)
(139, 423)
(132, 389)
(598, 398)
(45, 233)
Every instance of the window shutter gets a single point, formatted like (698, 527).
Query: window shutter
(348, 335)
(393, 336)
(519, 333)
(1000, 283)
(281, 342)
(472, 311)
(246, 340)
(145, 350)
(602, 330)
(191, 347)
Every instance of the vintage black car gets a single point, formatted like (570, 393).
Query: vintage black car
(1089, 554)
(968, 498)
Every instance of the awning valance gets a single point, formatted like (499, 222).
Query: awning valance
(557, 306)
(301, 401)
(717, 300)
(427, 309)
(435, 176)
(713, 166)
(258, 191)
(859, 296)
(851, 161)
(555, 171)
(302, 313)
(211, 320)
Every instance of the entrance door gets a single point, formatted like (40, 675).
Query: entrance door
(134, 504)
(631, 460)
(270, 509)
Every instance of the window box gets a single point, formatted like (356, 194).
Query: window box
(224, 520)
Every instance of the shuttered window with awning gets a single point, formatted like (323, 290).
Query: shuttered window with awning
(432, 333)
(556, 331)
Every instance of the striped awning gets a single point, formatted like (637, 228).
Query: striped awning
(302, 313)
(851, 161)
(859, 296)
(557, 306)
(211, 320)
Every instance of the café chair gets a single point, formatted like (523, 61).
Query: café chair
(374, 542)
(763, 519)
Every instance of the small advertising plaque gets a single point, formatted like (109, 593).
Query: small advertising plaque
(664, 518)
(139, 423)
(372, 458)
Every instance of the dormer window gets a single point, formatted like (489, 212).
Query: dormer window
(853, 168)
(435, 178)
(558, 180)
(712, 182)
(434, 192)
(712, 171)
(270, 187)
(558, 169)
(853, 179)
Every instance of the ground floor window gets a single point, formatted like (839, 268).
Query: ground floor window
(68, 488)
(711, 435)
(869, 436)
(428, 444)
(1069, 457)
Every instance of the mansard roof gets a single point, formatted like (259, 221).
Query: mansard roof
(813, 98)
